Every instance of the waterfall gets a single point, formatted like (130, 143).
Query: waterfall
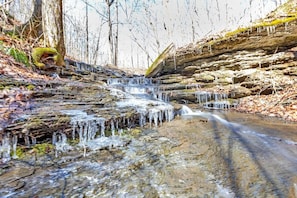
(143, 94)
(138, 86)
(186, 110)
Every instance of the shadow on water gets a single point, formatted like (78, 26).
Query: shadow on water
(236, 134)
(227, 158)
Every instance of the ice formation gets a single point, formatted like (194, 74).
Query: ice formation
(60, 142)
(90, 131)
(145, 96)
(5, 149)
(213, 100)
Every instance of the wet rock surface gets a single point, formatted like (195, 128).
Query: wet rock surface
(188, 157)
(74, 131)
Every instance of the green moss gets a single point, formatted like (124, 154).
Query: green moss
(19, 56)
(4, 87)
(65, 119)
(135, 132)
(276, 22)
(19, 152)
(38, 52)
(43, 148)
(2, 48)
(158, 60)
(30, 87)
(132, 133)
(236, 32)
(72, 142)
(34, 123)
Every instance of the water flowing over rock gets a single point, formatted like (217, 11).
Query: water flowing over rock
(96, 114)
(95, 131)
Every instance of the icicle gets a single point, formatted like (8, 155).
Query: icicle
(142, 117)
(112, 128)
(80, 135)
(160, 116)
(102, 127)
(14, 146)
(120, 132)
(73, 130)
(60, 142)
(33, 141)
(150, 119)
(155, 116)
(286, 26)
(5, 149)
(117, 125)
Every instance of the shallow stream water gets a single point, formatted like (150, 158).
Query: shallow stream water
(197, 154)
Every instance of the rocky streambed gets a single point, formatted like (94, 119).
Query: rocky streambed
(201, 154)
(117, 138)
(89, 131)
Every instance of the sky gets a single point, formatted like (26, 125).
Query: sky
(147, 27)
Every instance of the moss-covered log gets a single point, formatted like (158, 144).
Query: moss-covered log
(38, 52)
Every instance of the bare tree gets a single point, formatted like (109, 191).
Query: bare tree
(110, 31)
(87, 31)
(52, 25)
(116, 42)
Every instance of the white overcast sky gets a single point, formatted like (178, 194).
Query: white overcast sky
(149, 20)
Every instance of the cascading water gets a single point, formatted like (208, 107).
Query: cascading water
(213, 100)
(143, 94)
(138, 93)
(159, 163)
(137, 86)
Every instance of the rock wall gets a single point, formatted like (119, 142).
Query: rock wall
(255, 60)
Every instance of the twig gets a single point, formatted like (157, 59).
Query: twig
(6, 3)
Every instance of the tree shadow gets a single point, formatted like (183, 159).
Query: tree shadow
(235, 136)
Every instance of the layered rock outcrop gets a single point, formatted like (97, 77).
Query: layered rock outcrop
(256, 60)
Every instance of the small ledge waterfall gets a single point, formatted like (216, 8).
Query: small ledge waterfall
(147, 97)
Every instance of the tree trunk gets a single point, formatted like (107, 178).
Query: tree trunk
(87, 33)
(116, 44)
(52, 25)
(110, 33)
(32, 28)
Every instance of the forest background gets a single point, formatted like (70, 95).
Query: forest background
(131, 33)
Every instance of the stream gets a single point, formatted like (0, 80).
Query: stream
(189, 153)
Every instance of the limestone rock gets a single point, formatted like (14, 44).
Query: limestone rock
(204, 77)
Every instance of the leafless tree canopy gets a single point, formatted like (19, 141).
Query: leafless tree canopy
(131, 33)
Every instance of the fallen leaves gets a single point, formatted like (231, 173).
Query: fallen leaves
(282, 104)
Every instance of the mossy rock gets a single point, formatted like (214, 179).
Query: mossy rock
(38, 52)
(30, 87)
(157, 65)
(43, 148)
(34, 123)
